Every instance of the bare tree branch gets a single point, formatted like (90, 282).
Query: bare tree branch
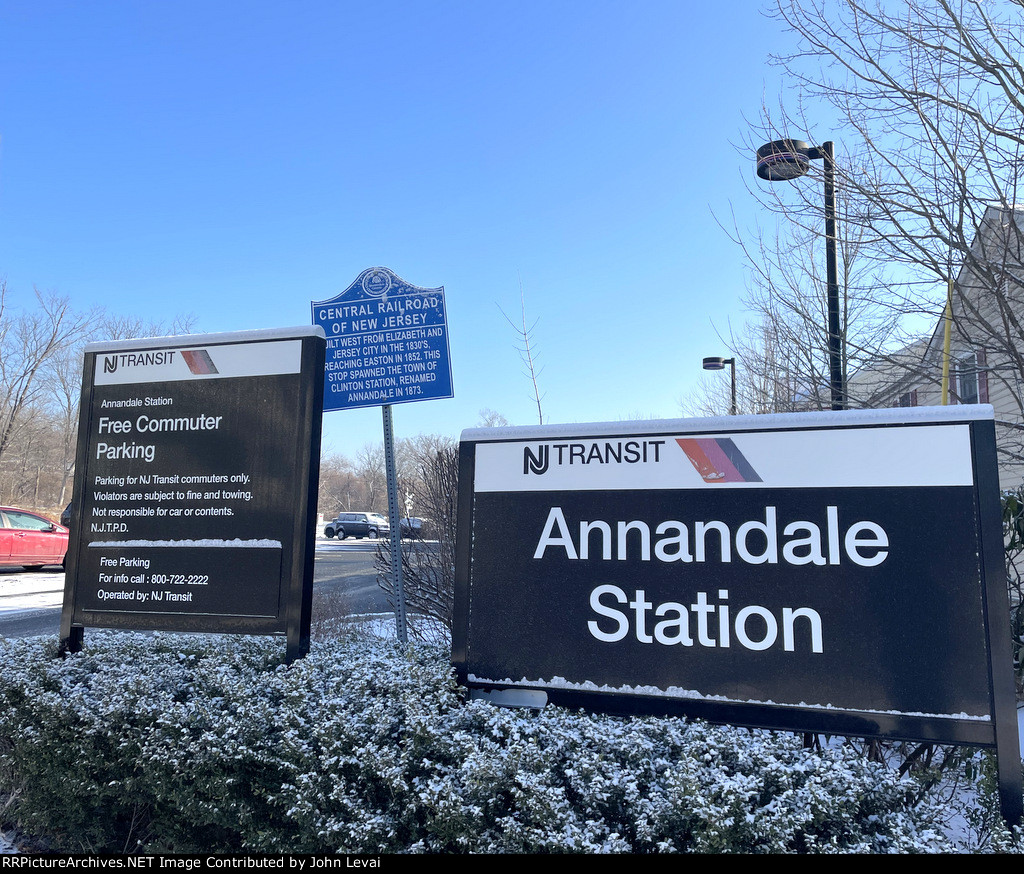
(524, 330)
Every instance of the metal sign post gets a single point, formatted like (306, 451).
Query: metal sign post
(387, 343)
(394, 517)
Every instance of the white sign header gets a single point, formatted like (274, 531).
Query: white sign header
(120, 366)
(925, 455)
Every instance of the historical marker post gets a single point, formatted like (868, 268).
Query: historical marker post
(387, 343)
(196, 486)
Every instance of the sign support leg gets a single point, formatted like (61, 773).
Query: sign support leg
(72, 641)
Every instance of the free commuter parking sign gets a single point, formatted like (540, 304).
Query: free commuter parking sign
(387, 343)
(196, 483)
(833, 572)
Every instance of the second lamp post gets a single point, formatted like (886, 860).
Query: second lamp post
(719, 364)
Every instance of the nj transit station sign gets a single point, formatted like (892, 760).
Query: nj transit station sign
(387, 343)
(196, 484)
(833, 572)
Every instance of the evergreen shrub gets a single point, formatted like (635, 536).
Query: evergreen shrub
(177, 743)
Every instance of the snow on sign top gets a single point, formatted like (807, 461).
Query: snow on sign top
(773, 421)
(387, 342)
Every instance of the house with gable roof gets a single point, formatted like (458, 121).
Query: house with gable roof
(986, 344)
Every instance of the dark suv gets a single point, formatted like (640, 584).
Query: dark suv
(358, 525)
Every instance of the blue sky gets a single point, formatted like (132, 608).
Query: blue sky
(238, 161)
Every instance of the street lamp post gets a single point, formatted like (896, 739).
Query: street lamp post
(719, 364)
(788, 159)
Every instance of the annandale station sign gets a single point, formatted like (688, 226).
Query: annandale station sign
(196, 484)
(834, 572)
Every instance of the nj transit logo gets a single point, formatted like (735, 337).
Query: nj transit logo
(591, 452)
(199, 361)
(536, 462)
(718, 460)
(111, 363)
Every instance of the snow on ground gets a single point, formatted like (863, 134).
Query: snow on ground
(24, 591)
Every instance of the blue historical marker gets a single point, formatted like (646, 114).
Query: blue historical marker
(387, 343)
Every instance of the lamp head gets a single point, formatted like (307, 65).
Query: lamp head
(781, 160)
(716, 363)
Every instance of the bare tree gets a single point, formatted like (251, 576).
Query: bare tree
(781, 352)
(370, 468)
(527, 353)
(40, 387)
(30, 468)
(428, 565)
(339, 486)
(29, 341)
(492, 419)
(927, 99)
(64, 379)
(924, 101)
(65, 391)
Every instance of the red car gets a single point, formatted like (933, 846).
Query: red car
(29, 540)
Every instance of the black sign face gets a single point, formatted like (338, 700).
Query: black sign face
(196, 474)
(816, 577)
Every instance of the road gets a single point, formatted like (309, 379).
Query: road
(30, 603)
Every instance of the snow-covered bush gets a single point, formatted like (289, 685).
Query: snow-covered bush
(1013, 543)
(199, 744)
